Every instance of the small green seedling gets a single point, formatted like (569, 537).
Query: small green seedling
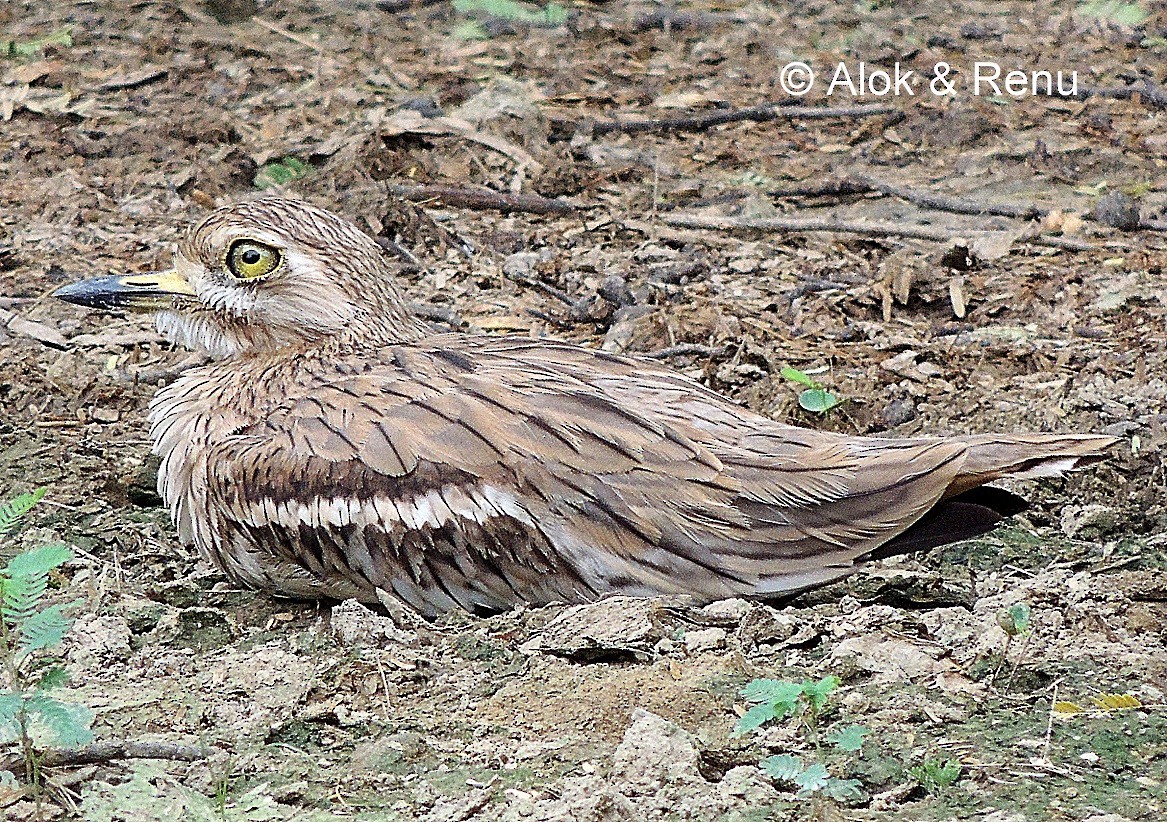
(32, 48)
(1014, 620)
(553, 14)
(779, 699)
(280, 172)
(934, 775)
(810, 779)
(1115, 11)
(815, 398)
(29, 715)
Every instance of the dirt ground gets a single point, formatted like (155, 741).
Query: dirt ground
(157, 111)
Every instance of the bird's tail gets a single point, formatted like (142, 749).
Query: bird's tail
(1025, 456)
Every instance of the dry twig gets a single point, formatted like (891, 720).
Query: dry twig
(480, 199)
(109, 751)
(756, 114)
(686, 349)
(803, 224)
(944, 202)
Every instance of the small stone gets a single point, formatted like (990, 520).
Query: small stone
(354, 624)
(105, 415)
(704, 639)
(1118, 210)
(1088, 522)
(729, 610)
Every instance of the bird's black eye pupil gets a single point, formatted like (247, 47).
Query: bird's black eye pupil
(250, 256)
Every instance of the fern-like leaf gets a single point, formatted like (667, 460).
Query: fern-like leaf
(26, 578)
(39, 561)
(19, 596)
(59, 723)
(10, 703)
(54, 677)
(43, 629)
(12, 511)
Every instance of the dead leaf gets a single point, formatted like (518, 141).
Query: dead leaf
(956, 296)
(993, 245)
(41, 332)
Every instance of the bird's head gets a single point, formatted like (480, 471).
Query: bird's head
(264, 274)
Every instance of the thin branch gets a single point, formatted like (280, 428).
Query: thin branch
(866, 229)
(109, 751)
(437, 313)
(756, 114)
(480, 199)
(685, 350)
(393, 6)
(944, 202)
(1155, 96)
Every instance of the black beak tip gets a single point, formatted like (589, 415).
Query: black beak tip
(93, 293)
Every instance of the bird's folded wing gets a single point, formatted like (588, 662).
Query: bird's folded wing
(636, 479)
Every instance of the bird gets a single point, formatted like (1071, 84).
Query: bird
(337, 447)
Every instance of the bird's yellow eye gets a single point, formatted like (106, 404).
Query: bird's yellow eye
(248, 259)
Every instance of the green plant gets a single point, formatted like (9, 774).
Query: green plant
(779, 699)
(32, 48)
(1014, 621)
(815, 398)
(934, 775)
(30, 716)
(1115, 11)
(553, 14)
(280, 172)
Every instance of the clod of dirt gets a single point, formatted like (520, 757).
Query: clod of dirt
(96, 641)
(612, 629)
(654, 753)
(1088, 522)
(704, 639)
(199, 628)
(354, 624)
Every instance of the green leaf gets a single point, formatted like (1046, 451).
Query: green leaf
(1125, 14)
(553, 14)
(817, 400)
(771, 690)
(54, 677)
(19, 596)
(281, 172)
(38, 561)
(31, 48)
(843, 790)
(849, 738)
(1020, 614)
(817, 692)
(12, 511)
(754, 718)
(65, 724)
(800, 377)
(43, 629)
(10, 703)
(783, 767)
(814, 778)
(934, 775)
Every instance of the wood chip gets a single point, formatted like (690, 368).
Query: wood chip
(956, 296)
(41, 332)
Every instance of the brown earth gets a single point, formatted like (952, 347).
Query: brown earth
(156, 111)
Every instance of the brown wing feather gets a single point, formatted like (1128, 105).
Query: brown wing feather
(617, 476)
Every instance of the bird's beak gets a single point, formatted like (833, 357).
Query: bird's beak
(142, 292)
